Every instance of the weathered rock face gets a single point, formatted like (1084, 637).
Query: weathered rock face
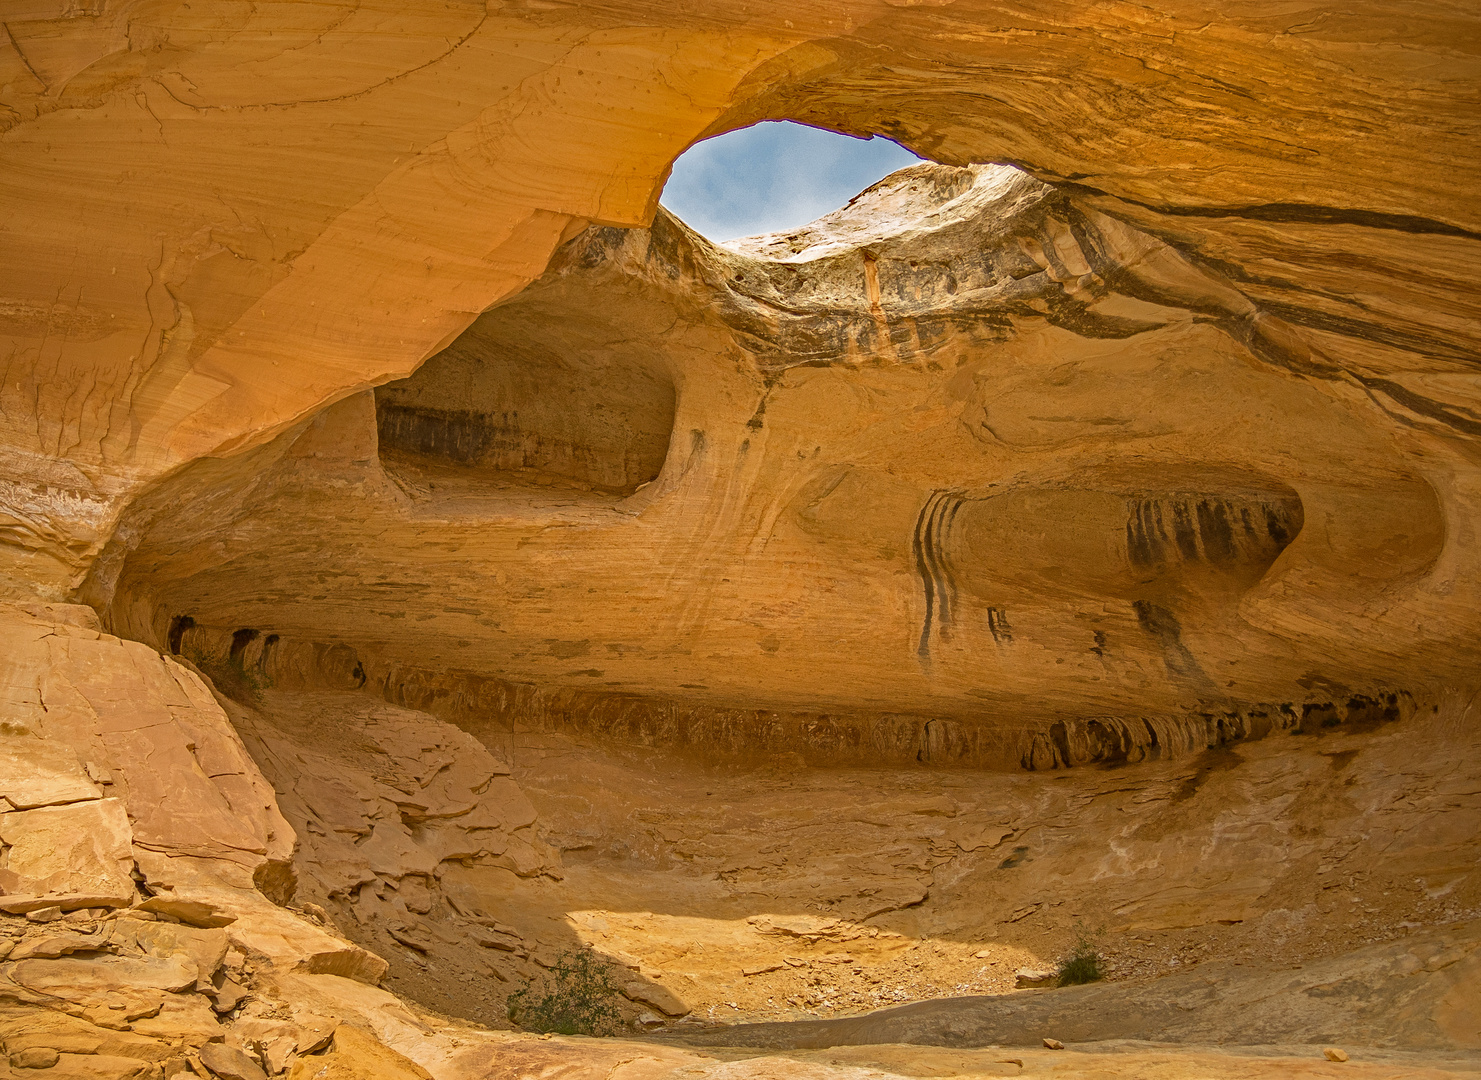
(411, 833)
(968, 472)
(144, 867)
(94, 724)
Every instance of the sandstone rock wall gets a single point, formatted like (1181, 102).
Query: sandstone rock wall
(126, 750)
(967, 473)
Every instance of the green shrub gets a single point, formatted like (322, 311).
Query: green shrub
(1082, 963)
(575, 997)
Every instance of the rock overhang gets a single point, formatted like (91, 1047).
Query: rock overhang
(996, 478)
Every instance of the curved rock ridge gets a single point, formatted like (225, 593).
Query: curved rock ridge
(909, 202)
(999, 480)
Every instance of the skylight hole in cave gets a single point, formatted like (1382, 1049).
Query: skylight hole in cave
(774, 176)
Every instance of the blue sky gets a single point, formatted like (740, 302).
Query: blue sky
(772, 176)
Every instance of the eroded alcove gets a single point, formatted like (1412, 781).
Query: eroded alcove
(510, 403)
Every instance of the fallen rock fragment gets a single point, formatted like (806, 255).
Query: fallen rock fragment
(59, 944)
(206, 949)
(411, 939)
(278, 1054)
(1053, 1044)
(49, 1031)
(120, 1015)
(228, 996)
(314, 1032)
(229, 1063)
(660, 997)
(496, 935)
(102, 1067)
(808, 927)
(358, 1056)
(1026, 978)
(191, 912)
(38, 1057)
(182, 1018)
(89, 980)
(1332, 1053)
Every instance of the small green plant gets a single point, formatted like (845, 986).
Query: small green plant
(575, 997)
(1082, 964)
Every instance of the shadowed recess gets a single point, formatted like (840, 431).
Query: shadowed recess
(506, 398)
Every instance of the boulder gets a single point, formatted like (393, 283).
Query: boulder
(86, 980)
(206, 949)
(50, 946)
(763, 968)
(314, 1032)
(229, 1063)
(36, 1057)
(227, 996)
(182, 1018)
(660, 997)
(278, 1054)
(96, 1067)
(194, 912)
(48, 1029)
(358, 1055)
